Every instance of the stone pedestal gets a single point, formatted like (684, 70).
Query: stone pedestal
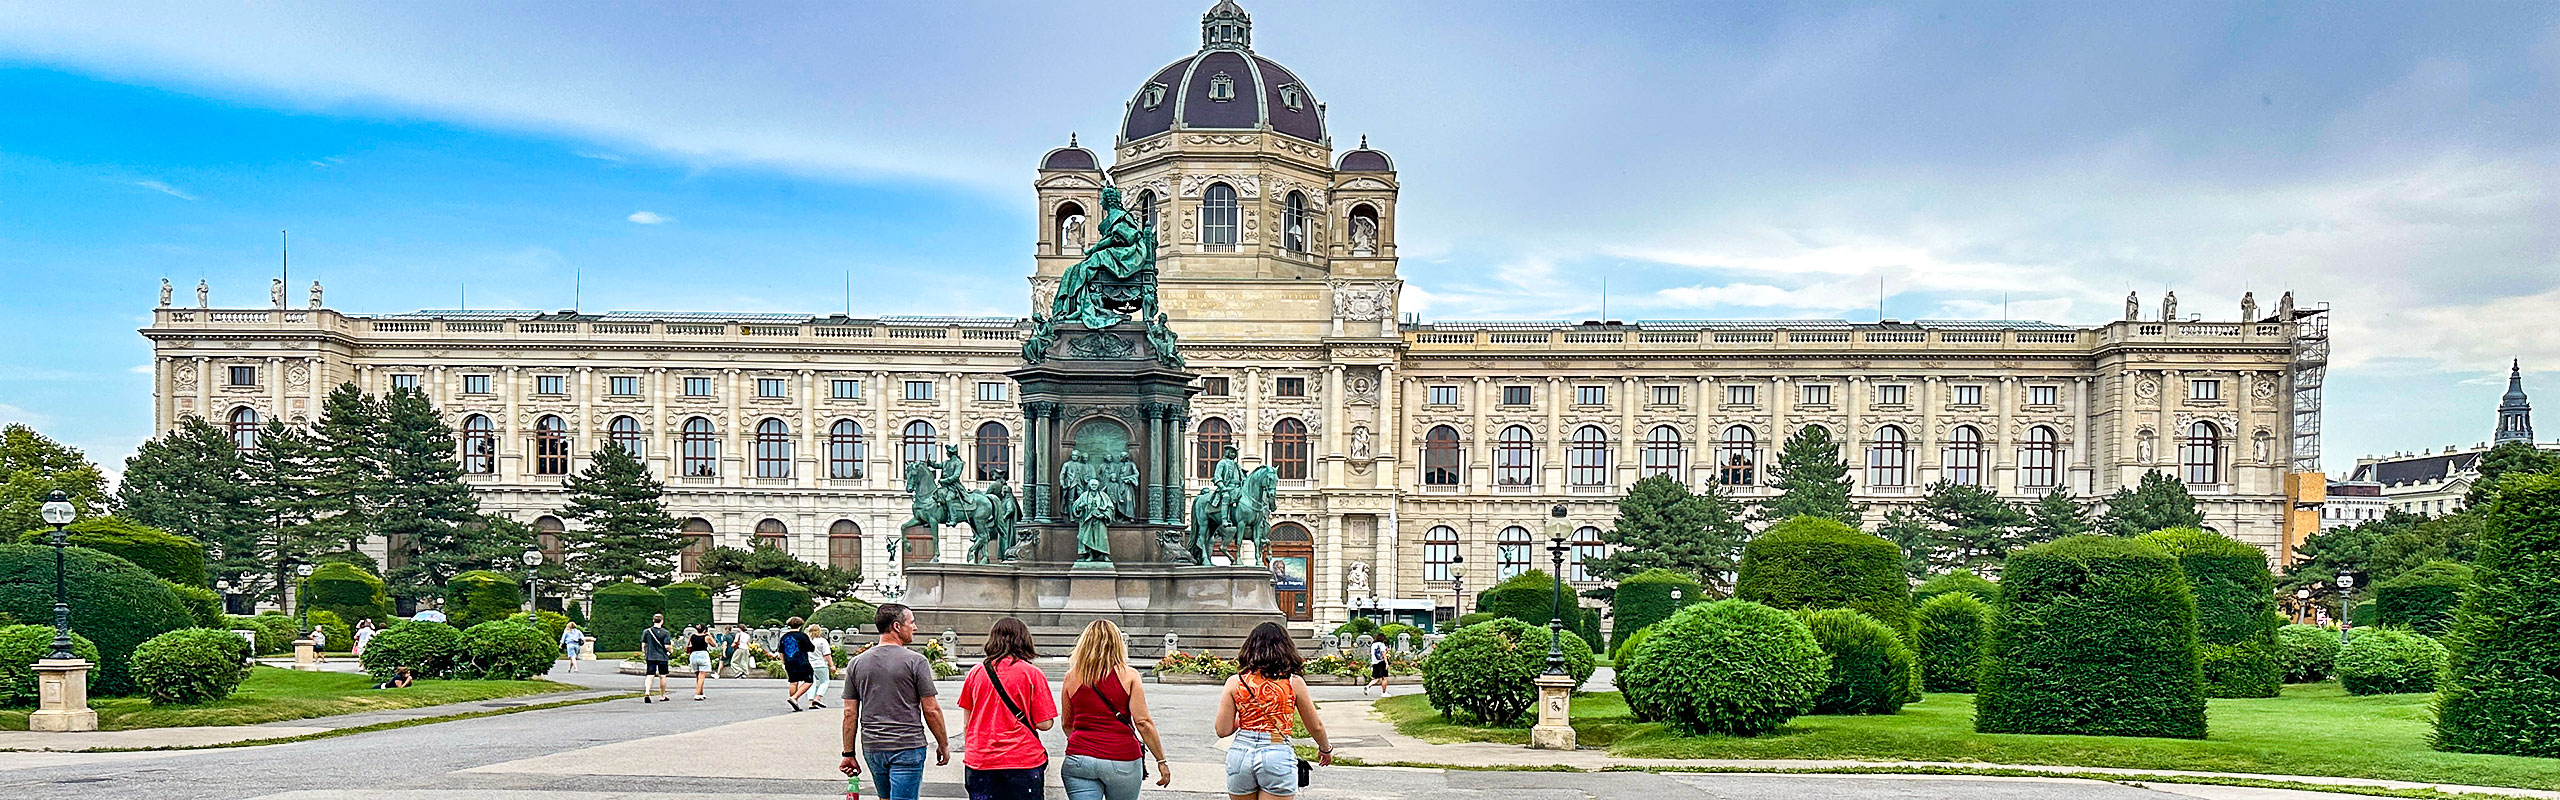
(62, 697)
(587, 650)
(1554, 730)
(1211, 608)
(306, 656)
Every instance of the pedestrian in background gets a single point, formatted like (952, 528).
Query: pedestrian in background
(1106, 715)
(1007, 699)
(571, 640)
(1255, 707)
(889, 706)
(822, 666)
(654, 644)
(697, 649)
(364, 635)
(795, 647)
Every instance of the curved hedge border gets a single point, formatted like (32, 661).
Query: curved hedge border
(622, 611)
(688, 603)
(478, 596)
(2423, 599)
(2096, 635)
(2501, 690)
(2236, 616)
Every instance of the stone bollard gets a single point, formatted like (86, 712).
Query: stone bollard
(587, 650)
(306, 656)
(1554, 730)
(1404, 643)
(1345, 641)
(950, 644)
(62, 697)
(1172, 643)
(1365, 640)
(1431, 641)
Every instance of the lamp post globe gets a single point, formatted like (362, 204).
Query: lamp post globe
(57, 512)
(2346, 582)
(532, 594)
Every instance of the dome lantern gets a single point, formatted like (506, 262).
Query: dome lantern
(1226, 27)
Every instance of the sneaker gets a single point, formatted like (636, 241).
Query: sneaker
(697, 698)
(795, 703)
(644, 698)
(817, 704)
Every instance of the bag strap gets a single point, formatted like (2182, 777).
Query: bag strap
(1116, 710)
(996, 679)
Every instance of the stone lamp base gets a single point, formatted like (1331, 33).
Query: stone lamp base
(306, 656)
(1554, 730)
(62, 704)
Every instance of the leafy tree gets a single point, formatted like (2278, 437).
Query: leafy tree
(33, 467)
(1974, 529)
(1812, 480)
(2158, 502)
(278, 474)
(348, 476)
(2452, 537)
(2056, 515)
(625, 532)
(724, 568)
(1918, 541)
(1662, 525)
(421, 505)
(189, 481)
(2505, 459)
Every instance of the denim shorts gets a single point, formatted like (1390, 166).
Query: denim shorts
(1260, 762)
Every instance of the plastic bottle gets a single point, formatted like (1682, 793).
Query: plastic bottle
(853, 787)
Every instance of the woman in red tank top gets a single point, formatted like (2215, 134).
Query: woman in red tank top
(1106, 714)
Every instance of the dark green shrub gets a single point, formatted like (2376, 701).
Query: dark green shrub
(772, 601)
(1528, 597)
(1646, 598)
(2389, 661)
(347, 590)
(622, 611)
(1361, 625)
(2095, 635)
(1817, 563)
(1484, 672)
(428, 649)
(191, 665)
(1388, 633)
(2423, 599)
(577, 612)
(1463, 621)
(1951, 634)
(1631, 678)
(550, 622)
(354, 557)
(480, 596)
(338, 634)
(2310, 652)
(688, 603)
(849, 615)
(1871, 669)
(20, 647)
(1957, 581)
(275, 633)
(204, 606)
(176, 559)
(1728, 667)
(504, 650)
(114, 603)
(2501, 690)
(2236, 617)
(2364, 614)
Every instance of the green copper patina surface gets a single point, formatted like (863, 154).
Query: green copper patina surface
(1114, 283)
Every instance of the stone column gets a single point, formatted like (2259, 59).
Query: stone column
(1704, 448)
(2080, 434)
(809, 449)
(1249, 432)
(887, 475)
(1480, 480)
(2004, 473)
(1852, 441)
(1925, 446)
(656, 429)
(1554, 730)
(509, 467)
(1335, 417)
(204, 394)
(62, 697)
(1628, 462)
(733, 435)
(1551, 446)
(275, 392)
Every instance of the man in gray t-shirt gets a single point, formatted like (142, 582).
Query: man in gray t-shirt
(889, 706)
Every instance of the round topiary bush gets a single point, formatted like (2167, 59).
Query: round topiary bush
(479, 595)
(204, 606)
(1816, 563)
(176, 559)
(21, 646)
(193, 665)
(772, 601)
(848, 614)
(1485, 672)
(551, 623)
(1388, 633)
(1729, 667)
(1360, 625)
(688, 603)
(1630, 677)
(2095, 635)
(1953, 582)
(622, 611)
(2501, 690)
(347, 590)
(2236, 617)
(1951, 635)
(1528, 597)
(2310, 652)
(2423, 599)
(114, 603)
(428, 649)
(1871, 669)
(504, 650)
(276, 631)
(338, 635)
(1648, 597)
(2389, 661)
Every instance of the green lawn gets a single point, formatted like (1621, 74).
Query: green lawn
(2315, 729)
(271, 694)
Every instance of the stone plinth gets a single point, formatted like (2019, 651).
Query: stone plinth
(1212, 608)
(62, 697)
(1554, 730)
(587, 650)
(306, 656)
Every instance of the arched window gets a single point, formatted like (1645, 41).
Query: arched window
(624, 432)
(1146, 208)
(1293, 223)
(1289, 448)
(1218, 217)
(917, 546)
(1513, 552)
(479, 445)
(995, 452)
(1964, 456)
(1662, 454)
(772, 533)
(701, 449)
(917, 444)
(773, 449)
(1070, 229)
(546, 534)
(1515, 458)
(550, 446)
(844, 545)
(2040, 464)
(2202, 454)
(1440, 456)
(697, 542)
(1587, 460)
(1586, 549)
(1439, 552)
(1889, 458)
(844, 450)
(1361, 230)
(1210, 444)
(244, 427)
(1738, 457)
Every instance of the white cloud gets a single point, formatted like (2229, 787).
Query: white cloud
(650, 218)
(164, 188)
(13, 415)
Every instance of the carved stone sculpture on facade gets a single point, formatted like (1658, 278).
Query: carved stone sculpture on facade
(1364, 236)
(2132, 307)
(315, 294)
(2169, 307)
(165, 292)
(275, 293)
(204, 295)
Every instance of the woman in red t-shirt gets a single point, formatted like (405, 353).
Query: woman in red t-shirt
(1106, 715)
(1004, 757)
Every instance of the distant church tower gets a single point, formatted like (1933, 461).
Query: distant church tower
(2515, 416)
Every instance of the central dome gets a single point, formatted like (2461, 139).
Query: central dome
(1225, 87)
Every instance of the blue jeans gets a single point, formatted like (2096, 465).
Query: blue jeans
(895, 774)
(1260, 762)
(1089, 778)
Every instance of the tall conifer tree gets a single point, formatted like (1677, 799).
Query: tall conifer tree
(2056, 515)
(190, 482)
(278, 473)
(348, 476)
(1975, 528)
(624, 532)
(1662, 525)
(1812, 480)
(2158, 502)
(421, 506)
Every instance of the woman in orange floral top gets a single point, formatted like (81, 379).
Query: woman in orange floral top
(1255, 708)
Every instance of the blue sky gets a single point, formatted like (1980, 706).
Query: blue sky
(2397, 161)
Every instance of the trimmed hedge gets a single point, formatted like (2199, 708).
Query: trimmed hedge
(193, 665)
(622, 611)
(1951, 635)
(1485, 672)
(21, 646)
(688, 603)
(272, 638)
(2236, 616)
(204, 606)
(1388, 632)
(1958, 581)
(1631, 679)
(176, 559)
(550, 622)
(1727, 667)
(428, 649)
(481, 596)
(339, 635)
(1530, 597)
(114, 603)
(1871, 669)
(347, 590)
(2096, 635)
(770, 601)
(1473, 618)
(2501, 690)
(2423, 599)
(504, 650)
(1645, 598)
(1356, 627)
(2310, 652)
(848, 614)
(2389, 661)
(2364, 614)
(1817, 563)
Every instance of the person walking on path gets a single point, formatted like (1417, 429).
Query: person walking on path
(731, 644)
(1255, 707)
(364, 635)
(571, 639)
(795, 649)
(320, 643)
(697, 650)
(889, 706)
(654, 643)
(1008, 703)
(1377, 667)
(822, 665)
(1106, 715)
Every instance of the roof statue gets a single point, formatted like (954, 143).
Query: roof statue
(2132, 307)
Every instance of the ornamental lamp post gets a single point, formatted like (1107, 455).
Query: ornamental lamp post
(2346, 582)
(2302, 601)
(306, 653)
(57, 512)
(62, 679)
(1555, 617)
(532, 592)
(1554, 730)
(1458, 586)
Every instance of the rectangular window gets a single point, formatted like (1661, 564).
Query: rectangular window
(1214, 386)
(1741, 395)
(1289, 387)
(1515, 395)
(550, 384)
(845, 389)
(404, 381)
(991, 392)
(1666, 395)
(2042, 395)
(1817, 394)
(244, 376)
(919, 390)
(1968, 395)
(475, 384)
(1444, 396)
(1890, 394)
(1590, 395)
(2204, 390)
(773, 387)
(697, 387)
(623, 385)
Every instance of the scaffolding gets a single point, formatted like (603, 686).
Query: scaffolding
(2310, 366)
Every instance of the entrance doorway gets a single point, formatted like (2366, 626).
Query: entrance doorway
(1292, 552)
